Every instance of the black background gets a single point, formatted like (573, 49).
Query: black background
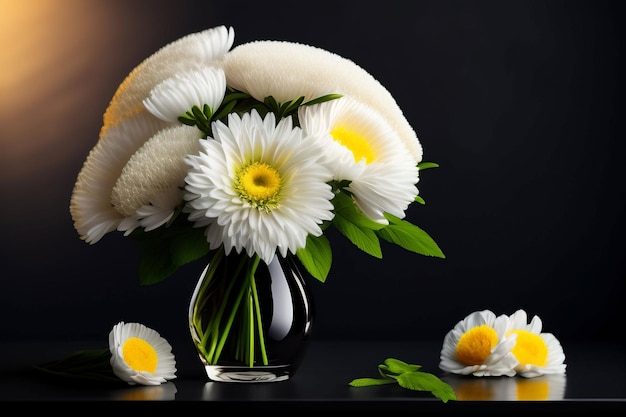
(520, 102)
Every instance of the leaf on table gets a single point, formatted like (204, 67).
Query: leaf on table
(408, 376)
(368, 382)
(424, 381)
(89, 364)
(393, 366)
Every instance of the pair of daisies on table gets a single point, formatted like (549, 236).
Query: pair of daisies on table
(483, 344)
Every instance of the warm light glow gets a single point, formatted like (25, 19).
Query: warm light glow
(43, 59)
(51, 55)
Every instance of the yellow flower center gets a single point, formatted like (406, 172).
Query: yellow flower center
(139, 355)
(530, 349)
(475, 345)
(357, 144)
(259, 184)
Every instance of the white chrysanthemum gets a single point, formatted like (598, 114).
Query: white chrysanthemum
(538, 353)
(478, 345)
(139, 355)
(90, 204)
(360, 146)
(150, 186)
(194, 51)
(177, 95)
(258, 186)
(288, 70)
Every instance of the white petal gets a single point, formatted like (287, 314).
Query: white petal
(157, 167)
(214, 203)
(176, 95)
(194, 51)
(90, 204)
(500, 362)
(287, 70)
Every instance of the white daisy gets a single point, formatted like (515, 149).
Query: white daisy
(139, 355)
(288, 70)
(150, 186)
(360, 146)
(258, 186)
(194, 51)
(538, 353)
(90, 205)
(176, 95)
(478, 345)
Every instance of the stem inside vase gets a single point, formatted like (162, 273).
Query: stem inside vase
(247, 317)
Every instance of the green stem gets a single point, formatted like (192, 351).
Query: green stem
(231, 316)
(250, 331)
(215, 334)
(257, 305)
(214, 264)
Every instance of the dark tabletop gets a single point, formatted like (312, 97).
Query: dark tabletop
(594, 381)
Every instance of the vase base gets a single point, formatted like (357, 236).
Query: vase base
(242, 374)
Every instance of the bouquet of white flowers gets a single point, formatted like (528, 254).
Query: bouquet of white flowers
(258, 149)
(243, 156)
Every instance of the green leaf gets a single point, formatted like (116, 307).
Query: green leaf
(322, 99)
(188, 247)
(355, 226)
(410, 237)
(393, 366)
(291, 106)
(89, 364)
(197, 113)
(419, 199)
(425, 165)
(208, 111)
(316, 256)
(368, 382)
(346, 208)
(423, 381)
(187, 120)
(408, 376)
(164, 250)
(271, 103)
(155, 263)
(364, 239)
(224, 109)
(234, 95)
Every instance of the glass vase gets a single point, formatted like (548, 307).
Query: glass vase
(249, 321)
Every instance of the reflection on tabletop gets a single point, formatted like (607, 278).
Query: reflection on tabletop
(163, 392)
(542, 388)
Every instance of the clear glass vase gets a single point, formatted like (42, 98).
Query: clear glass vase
(250, 322)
